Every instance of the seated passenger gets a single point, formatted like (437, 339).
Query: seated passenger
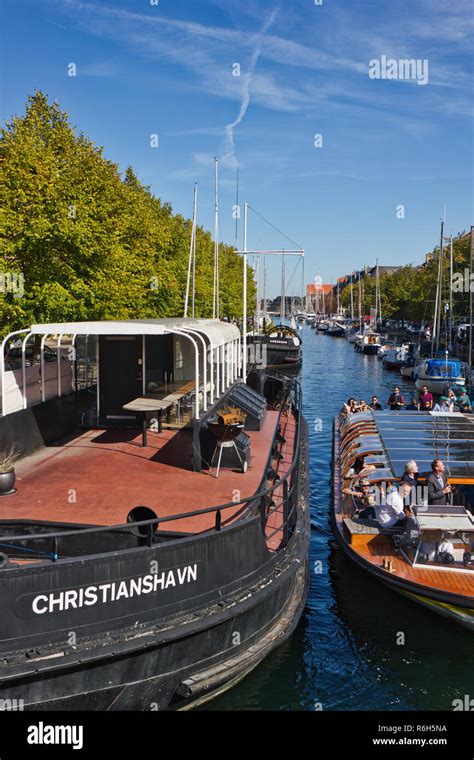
(359, 470)
(426, 400)
(394, 513)
(464, 402)
(363, 406)
(396, 400)
(443, 405)
(410, 476)
(446, 551)
(351, 406)
(374, 404)
(363, 501)
(413, 406)
(451, 400)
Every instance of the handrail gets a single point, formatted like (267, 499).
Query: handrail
(294, 383)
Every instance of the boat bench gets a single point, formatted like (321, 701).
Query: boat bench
(358, 532)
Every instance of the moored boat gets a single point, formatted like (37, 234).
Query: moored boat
(396, 357)
(436, 374)
(281, 346)
(430, 558)
(156, 547)
(335, 330)
(368, 343)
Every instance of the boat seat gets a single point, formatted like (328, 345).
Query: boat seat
(363, 531)
(367, 527)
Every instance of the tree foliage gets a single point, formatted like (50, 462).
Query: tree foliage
(410, 292)
(89, 243)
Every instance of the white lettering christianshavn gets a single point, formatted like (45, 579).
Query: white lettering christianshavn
(60, 601)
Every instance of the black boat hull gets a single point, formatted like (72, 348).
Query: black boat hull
(168, 650)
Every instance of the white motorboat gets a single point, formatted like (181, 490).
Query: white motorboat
(369, 343)
(436, 374)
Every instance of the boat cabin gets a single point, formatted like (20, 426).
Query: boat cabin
(441, 537)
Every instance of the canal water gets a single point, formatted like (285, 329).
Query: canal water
(344, 654)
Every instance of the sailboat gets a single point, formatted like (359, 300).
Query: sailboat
(440, 371)
(370, 342)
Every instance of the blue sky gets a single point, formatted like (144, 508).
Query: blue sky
(168, 69)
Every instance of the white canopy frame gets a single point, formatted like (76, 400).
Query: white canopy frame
(2, 362)
(220, 341)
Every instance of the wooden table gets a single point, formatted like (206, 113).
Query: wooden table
(145, 404)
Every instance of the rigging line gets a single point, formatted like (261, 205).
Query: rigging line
(275, 228)
(294, 272)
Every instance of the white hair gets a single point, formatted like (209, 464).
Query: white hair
(410, 466)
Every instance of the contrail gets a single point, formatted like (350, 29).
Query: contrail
(230, 142)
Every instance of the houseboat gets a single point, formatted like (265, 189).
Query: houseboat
(154, 545)
(430, 558)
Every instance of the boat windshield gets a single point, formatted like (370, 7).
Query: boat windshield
(440, 538)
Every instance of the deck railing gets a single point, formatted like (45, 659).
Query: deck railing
(280, 497)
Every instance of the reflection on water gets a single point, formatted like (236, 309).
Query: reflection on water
(344, 655)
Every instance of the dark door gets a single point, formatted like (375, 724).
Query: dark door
(120, 377)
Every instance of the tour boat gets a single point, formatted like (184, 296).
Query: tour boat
(430, 559)
(436, 374)
(154, 547)
(368, 343)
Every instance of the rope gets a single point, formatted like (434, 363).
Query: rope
(275, 228)
(34, 551)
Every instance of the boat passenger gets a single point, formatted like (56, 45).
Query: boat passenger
(451, 399)
(351, 406)
(439, 490)
(443, 405)
(359, 469)
(362, 499)
(396, 400)
(374, 405)
(464, 402)
(363, 407)
(410, 476)
(426, 400)
(446, 551)
(413, 406)
(394, 513)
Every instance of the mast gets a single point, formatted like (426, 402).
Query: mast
(244, 299)
(237, 209)
(192, 259)
(376, 293)
(352, 296)
(215, 305)
(282, 305)
(264, 294)
(257, 282)
(471, 305)
(360, 304)
(451, 320)
(437, 318)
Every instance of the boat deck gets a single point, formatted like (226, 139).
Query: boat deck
(100, 475)
(456, 582)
